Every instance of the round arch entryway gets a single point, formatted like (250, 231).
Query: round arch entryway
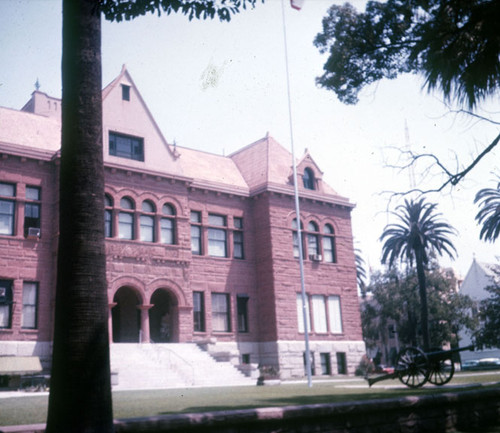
(126, 316)
(164, 317)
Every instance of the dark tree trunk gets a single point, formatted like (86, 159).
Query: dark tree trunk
(80, 389)
(424, 316)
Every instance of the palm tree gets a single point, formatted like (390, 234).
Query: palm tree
(489, 215)
(80, 388)
(418, 233)
(360, 272)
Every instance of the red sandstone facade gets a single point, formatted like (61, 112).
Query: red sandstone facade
(200, 248)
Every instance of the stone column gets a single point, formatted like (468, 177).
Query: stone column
(145, 322)
(111, 305)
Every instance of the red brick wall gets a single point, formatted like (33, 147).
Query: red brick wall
(30, 260)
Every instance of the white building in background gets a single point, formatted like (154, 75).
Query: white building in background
(479, 276)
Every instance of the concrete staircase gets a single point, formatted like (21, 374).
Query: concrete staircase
(180, 365)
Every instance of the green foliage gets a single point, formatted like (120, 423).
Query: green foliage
(395, 299)
(489, 315)
(489, 214)
(418, 232)
(119, 10)
(453, 43)
(360, 271)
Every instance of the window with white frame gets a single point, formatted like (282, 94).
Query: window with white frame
(108, 216)
(221, 315)
(319, 314)
(167, 224)
(147, 221)
(32, 210)
(7, 207)
(329, 244)
(30, 302)
(313, 240)
(126, 146)
(335, 314)
(199, 311)
(300, 313)
(238, 238)
(217, 235)
(196, 245)
(308, 179)
(5, 303)
(242, 311)
(295, 239)
(126, 219)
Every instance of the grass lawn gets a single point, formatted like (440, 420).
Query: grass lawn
(32, 408)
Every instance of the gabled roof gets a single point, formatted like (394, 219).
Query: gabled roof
(479, 276)
(267, 165)
(25, 133)
(262, 163)
(211, 171)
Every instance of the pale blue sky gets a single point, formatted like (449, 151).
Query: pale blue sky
(168, 58)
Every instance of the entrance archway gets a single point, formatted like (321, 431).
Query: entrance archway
(163, 317)
(126, 316)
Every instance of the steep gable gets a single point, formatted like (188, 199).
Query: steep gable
(267, 165)
(131, 136)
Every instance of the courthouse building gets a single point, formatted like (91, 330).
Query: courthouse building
(201, 248)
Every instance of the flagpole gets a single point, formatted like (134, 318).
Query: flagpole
(297, 209)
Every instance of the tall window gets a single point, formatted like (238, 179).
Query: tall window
(221, 317)
(334, 314)
(242, 308)
(195, 219)
(238, 238)
(126, 146)
(167, 224)
(329, 244)
(126, 219)
(125, 92)
(108, 216)
(147, 221)
(312, 240)
(300, 313)
(199, 311)
(5, 303)
(326, 364)
(7, 205)
(30, 301)
(295, 236)
(319, 314)
(32, 210)
(308, 179)
(217, 236)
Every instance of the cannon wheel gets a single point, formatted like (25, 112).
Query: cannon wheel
(441, 371)
(412, 367)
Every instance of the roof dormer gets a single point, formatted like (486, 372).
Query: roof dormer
(309, 176)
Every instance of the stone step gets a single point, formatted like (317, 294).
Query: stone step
(153, 366)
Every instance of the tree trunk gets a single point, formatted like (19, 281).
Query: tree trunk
(80, 388)
(423, 300)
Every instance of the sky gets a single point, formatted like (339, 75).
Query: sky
(220, 86)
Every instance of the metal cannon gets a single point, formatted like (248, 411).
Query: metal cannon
(414, 367)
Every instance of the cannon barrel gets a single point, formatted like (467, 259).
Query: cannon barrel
(375, 379)
(445, 354)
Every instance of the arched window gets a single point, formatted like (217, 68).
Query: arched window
(167, 224)
(295, 237)
(108, 216)
(329, 244)
(313, 241)
(126, 219)
(308, 178)
(147, 221)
